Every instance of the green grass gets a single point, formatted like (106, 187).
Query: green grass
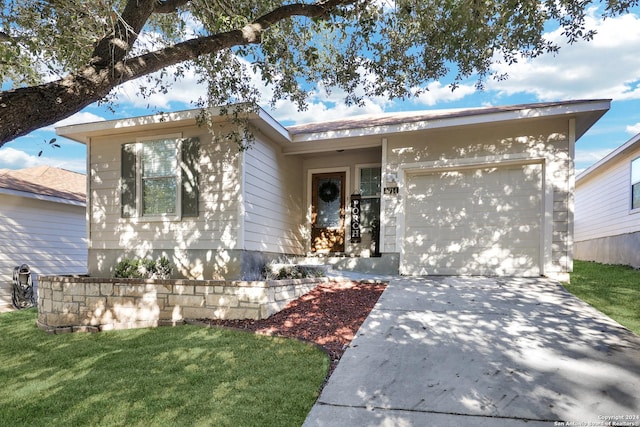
(612, 289)
(179, 376)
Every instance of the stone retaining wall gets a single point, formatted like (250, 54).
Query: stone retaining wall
(69, 304)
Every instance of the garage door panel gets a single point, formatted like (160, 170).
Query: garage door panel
(474, 221)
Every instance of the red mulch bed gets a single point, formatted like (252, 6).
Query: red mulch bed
(330, 315)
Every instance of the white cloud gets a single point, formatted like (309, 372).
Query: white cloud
(439, 93)
(73, 164)
(17, 159)
(185, 91)
(10, 158)
(324, 107)
(591, 156)
(81, 117)
(633, 129)
(318, 111)
(606, 67)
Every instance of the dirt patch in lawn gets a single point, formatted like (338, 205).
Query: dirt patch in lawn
(330, 315)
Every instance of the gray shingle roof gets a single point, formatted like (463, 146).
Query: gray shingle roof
(45, 181)
(387, 119)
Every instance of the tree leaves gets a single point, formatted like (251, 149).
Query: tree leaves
(360, 47)
(52, 143)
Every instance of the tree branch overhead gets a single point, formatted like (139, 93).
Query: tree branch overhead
(355, 45)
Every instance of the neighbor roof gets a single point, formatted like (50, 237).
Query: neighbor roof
(631, 144)
(44, 182)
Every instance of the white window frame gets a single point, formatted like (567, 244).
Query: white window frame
(177, 215)
(633, 209)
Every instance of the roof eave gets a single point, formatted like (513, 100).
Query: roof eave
(84, 132)
(587, 113)
(270, 127)
(42, 197)
(631, 144)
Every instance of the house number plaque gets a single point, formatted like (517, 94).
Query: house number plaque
(356, 210)
(391, 190)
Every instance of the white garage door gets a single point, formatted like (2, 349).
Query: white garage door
(473, 221)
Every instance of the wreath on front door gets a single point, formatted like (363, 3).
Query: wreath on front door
(328, 191)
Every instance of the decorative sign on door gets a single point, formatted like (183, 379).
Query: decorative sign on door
(356, 211)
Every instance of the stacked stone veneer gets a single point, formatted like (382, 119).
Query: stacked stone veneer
(69, 304)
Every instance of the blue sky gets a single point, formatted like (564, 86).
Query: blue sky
(607, 67)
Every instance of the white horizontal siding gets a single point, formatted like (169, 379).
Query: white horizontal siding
(49, 237)
(603, 201)
(273, 200)
(216, 226)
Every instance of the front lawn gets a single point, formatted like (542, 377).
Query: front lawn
(186, 375)
(612, 289)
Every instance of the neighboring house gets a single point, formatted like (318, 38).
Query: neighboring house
(481, 191)
(607, 218)
(42, 223)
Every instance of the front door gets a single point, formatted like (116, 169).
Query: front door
(327, 220)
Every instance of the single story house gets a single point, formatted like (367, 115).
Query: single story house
(607, 218)
(478, 191)
(42, 223)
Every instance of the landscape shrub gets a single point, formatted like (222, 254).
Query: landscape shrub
(277, 271)
(143, 268)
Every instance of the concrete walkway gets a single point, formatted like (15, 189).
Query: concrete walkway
(454, 351)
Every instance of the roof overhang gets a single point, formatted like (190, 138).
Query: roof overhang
(259, 119)
(43, 197)
(585, 112)
(356, 132)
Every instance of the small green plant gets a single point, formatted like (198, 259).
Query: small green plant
(163, 267)
(127, 269)
(143, 268)
(277, 271)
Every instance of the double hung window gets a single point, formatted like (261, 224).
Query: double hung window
(160, 178)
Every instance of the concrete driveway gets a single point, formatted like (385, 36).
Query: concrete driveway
(455, 351)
